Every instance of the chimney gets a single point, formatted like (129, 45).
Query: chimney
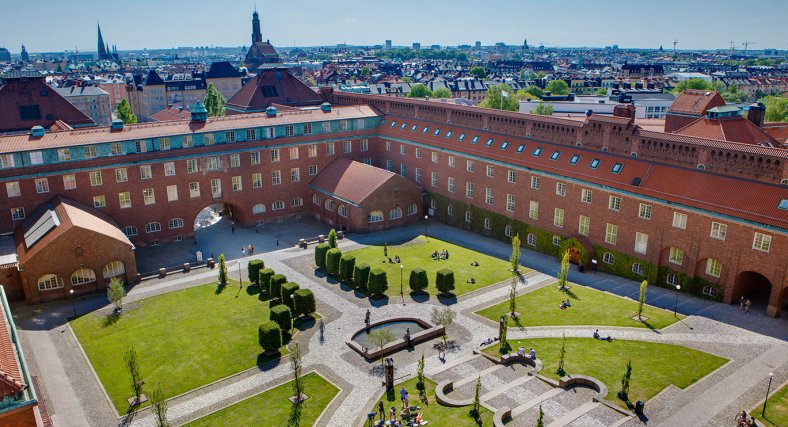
(756, 114)
(624, 110)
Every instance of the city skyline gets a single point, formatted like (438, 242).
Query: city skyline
(598, 24)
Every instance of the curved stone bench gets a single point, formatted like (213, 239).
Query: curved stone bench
(500, 414)
(447, 386)
(586, 381)
(514, 357)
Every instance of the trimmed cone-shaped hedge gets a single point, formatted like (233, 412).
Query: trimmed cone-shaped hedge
(265, 280)
(346, 265)
(378, 283)
(361, 275)
(305, 302)
(275, 285)
(320, 255)
(254, 268)
(288, 289)
(418, 280)
(332, 261)
(281, 315)
(269, 336)
(444, 281)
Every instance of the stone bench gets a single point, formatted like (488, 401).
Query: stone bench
(447, 387)
(500, 415)
(510, 358)
(586, 381)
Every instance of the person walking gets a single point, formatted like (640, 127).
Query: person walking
(747, 304)
(741, 303)
(382, 410)
(367, 318)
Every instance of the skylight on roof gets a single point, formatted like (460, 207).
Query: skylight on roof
(393, 123)
(617, 168)
(475, 140)
(489, 142)
(537, 152)
(555, 155)
(437, 132)
(574, 159)
(461, 137)
(595, 163)
(449, 134)
(41, 227)
(426, 129)
(505, 145)
(413, 129)
(521, 148)
(403, 126)
(783, 204)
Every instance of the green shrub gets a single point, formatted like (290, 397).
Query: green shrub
(305, 302)
(378, 283)
(269, 336)
(265, 279)
(288, 289)
(444, 280)
(332, 238)
(418, 280)
(254, 268)
(332, 261)
(361, 275)
(346, 265)
(281, 315)
(320, 255)
(275, 285)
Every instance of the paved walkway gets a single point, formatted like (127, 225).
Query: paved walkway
(76, 398)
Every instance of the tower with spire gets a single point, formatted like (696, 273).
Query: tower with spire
(260, 52)
(257, 36)
(104, 52)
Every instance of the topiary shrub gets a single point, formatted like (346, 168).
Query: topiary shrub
(269, 336)
(418, 280)
(332, 261)
(281, 315)
(361, 276)
(254, 268)
(346, 265)
(320, 255)
(264, 279)
(378, 283)
(275, 285)
(288, 289)
(444, 281)
(305, 302)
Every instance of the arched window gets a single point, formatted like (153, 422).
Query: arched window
(113, 269)
(413, 209)
(701, 167)
(342, 210)
(316, 199)
(82, 276)
(607, 258)
(258, 208)
(130, 230)
(49, 281)
(508, 231)
(175, 223)
(395, 213)
(487, 224)
(329, 205)
(152, 227)
(375, 216)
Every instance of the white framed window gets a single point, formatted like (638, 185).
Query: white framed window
(533, 209)
(761, 242)
(388, 145)
(257, 180)
(365, 144)
(556, 240)
(96, 178)
(250, 135)
(611, 234)
(63, 155)
(36, 158)
(216, 188)
(254, 157)
(418, 174)
(164, 144)
(395, 213)
(295, 175)
(236, 183)
(388, 165)
(488, 196)
(329, 205)
(672, 279)
(312, 150)
(145, 172)
(531, 239)
(343, 125)
(316, 199)
(470, 165)
(194, 189)
(42, 185)
(121, 175)
(507, 231)
(467, 216)
(289, 130)
(90, 152)
(709, 291)
(614, 203)
(277, 205)
(347, 147)
(676, 256)
(449, 210)
(608, 258)
(487, 224)
(186, 143)
(403, 150)
(637, 269)
(17, 214)
(375, 216)
(169, 168)
(69, 182)
(293, 152)
(413, 209)
(12, 188)
(276, 177)
(229, 136)
(434, 157)
(469, 190)
(560, 189)
(641, 243)
(713, 267)
(83, 276)
(297, 202)
(307, 128)
(235, 161)
(124, 199)
(490, 171)
(718, 231)
(558, 217)
(510, 202)
(175, 223)
(191, 166)
(326, 127)
(172, 193)
(99, 201)
(152, 227)
(435, 179)
(403, 169)
(274, 155)
(148, 196)
(644, 211)
(584, 225)
(7, 160)
(418, 153)
(342, 211)
(511, 176)
(586, 196)
(536, 182)
(49, 281)
(451, 184)
(130, 231)
(330, 149)
(113, 269)
(679, 220)
(452, 161)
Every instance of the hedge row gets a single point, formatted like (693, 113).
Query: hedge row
(254, 266)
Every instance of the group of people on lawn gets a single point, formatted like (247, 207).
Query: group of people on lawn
(409, 415)
(444, 254)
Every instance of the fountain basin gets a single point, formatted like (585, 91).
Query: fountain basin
(420, 331)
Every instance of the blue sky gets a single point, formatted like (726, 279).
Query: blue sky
(48, 25)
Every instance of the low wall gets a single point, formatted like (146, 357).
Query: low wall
(447, 387)
(428, 333)
(586, 381)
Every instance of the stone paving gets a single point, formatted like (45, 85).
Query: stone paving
(754, 343)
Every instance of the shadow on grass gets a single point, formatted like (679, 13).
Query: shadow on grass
(568, 292)
(379, 301)
(295, 414)
(447, 299)
(420, 296)
(110, 319)
(253, 290)
(266, 362)
(518, 322)
(263, 296)
(220, 288)
(651, 327)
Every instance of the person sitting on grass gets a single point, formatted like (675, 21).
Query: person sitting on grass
(471, 281)
(435, 255)
(601, 338)
(396, 259)
(474, 264)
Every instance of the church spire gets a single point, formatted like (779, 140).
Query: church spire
(256, 35)
(102, 49)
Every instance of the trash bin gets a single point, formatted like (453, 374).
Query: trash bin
(639, 406)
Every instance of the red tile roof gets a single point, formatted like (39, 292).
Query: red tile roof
(713, 143)
(10, 371)
(734, 129)
(286, 89)
(350, 180)
(696, 102)
(34, 91)
(172, 113)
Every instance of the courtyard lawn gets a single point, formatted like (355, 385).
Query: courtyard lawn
(272, 407)
(654, 365)
(589, 307)
(183, 339)
(776, 410)
(416, 253)
(433, 412)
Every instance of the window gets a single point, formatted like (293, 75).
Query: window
(469, 165)
(17, 213)
(250, 135)
(69, 182)
(611, 234)
(402, 126)
(99, 201)
(575, 158)
(521, 148)
(307, 128)
(113, 269)
(149, 196)
(531, 239)
(511, 176)
(507, 231)
(595, 164)
(326, 127)
(585, 196)
(236, 183)
(510, 202)
(258, 209)
(164, 144)
(452, 161)
(451, 184)
(584, 226)
(275, 155)
(713, 267)
(293, 153)
(254, 157)
(533, 209)
(645, 211)
(49, 281)
(437, 132)
(145, 172)
(289, 130)
(277, 205)
(672, 279)
(403, 169)
(537, 152)
(90, 152)
(235, 161)
(229, 136)
(718, 230)
(556, 240)
(216, 188)
(175, 223)
(13, 189)
(560, 189)
(388, 164)
(641, 243)
(208, 139)
(124, 199)
(490, 171)
(536, 182)
(42, 185)
(169, 169)
(63, 155)
(469, 190)
(617, 168)
(130, 230)
(36, 158)
(187, 143)
(194, 189)
(450, 210)
(342, 211)
(614, 203)
(709, 291)
(121, 175)
(475, 140)
(172, 193)
(141, 146)
(257, 180)
(316, 199)
(365, 146)
(488, 196)
(461, 137)
(343, 125)
(413, 209)
(418, 174)
(418, 153)
(434, 157)
(558, 217)
(608, 258)
(676, 256)
(276, 177)
(375, 216)
(680, 220)
(329, 205)
(312, 150)
(297, 202)
(152, 227)
(295, 175)
(555, 155)
(312, 170)
(425, 130)
(487, 224)
(637, 269)
(191, 166)
(467, 216)
(505, 145)
(395, 213)
(435, 179)
(82, 276)
(388, 145)
(347, 146)
(762, 242)
(489, 142)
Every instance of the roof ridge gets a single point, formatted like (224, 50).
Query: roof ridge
(10, 381)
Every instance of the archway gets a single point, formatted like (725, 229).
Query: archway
(212, 215)
(753, 286)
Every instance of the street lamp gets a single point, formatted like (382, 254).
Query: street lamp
(763, 413)
(426, 217)
(676, 306)
(292, 299)
(401, 268)
(73, 302)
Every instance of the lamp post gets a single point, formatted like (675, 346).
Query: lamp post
(73, 302)
(240, 278)
(292, 299)
(676, 306)
(763, 413)
(426, 217)
(401, 268)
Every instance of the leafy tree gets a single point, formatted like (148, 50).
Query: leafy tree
(562, 275)
(540, 419)
(116, 293)
(406, 79)
(495, 98)
(254, 266)
(332, 238)
(442, 92)
(698, 84)
(561, 355)
(214, 102)
(444, 280)
(543, 109)
(419, 90)
(513, 297)
(462, 57)
(420, 375)
(642, 297)
(533, 75)
(124, 113)
(275, 285)
(289, 289)
(269, 335)
(365, 70)
(624, 392)
(264, 280)
(305, 302)
(476, 403)
(380, 337)
(159, 407)
(443, 317)
(133, 366)
(515, 258)
(536, 91)
(478, 72)
(222, 271)
(776, 109)
(557, 87)
(378, 283)
(504, 342)
(601, 91)
(418, 280)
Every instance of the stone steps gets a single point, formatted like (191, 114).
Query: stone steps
(535, 401)
(471, 379)
(452, 364)
(501, 390)
(573, 414)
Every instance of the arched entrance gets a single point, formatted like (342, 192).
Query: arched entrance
(753, 286)
(213, 215)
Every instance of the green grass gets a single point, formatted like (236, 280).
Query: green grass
(589, 307)
(272, 407)
(433, 412)
(776, 410)
(416, 253)
(654, 365)
(183, 339)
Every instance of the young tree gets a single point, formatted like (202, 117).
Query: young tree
(419, 90)
(513, 297)
(476, 402)
(776, 109)
(497, 99)
(699, 84)
(298, 381)
(504, 348)
(534, 91)
(623, 394)
(562, 275)
(420, 375)
(441, 92)
(132, 365)
(540, 419)
(478, 72)
(642, 298)
(515, 258)
(116, 293)
(381, 337)
(557, 87)
(543, 109)
(561, 354)
(222, 271)
(332, 238)
(601, 91)
(214, 102)
(159, 407)
(444, 317)
(124, 113)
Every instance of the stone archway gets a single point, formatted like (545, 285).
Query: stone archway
(754, 286)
